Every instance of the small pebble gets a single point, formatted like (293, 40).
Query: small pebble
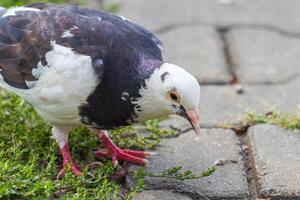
(239, 88)
(226, 2)
(245, 147)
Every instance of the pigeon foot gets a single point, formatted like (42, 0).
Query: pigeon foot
(74, 168)
(113, 151)
(68, 162)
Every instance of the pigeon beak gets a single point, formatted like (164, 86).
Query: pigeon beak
(193, 117)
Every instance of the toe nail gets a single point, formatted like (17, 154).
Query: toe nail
(146, 163)
(147, 153)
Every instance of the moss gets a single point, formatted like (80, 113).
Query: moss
(282, 119)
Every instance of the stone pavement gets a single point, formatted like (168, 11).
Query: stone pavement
(245, 53)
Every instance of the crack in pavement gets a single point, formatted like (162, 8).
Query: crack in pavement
(285, 81)
(266, 27)
(249, 167)
(227, 54)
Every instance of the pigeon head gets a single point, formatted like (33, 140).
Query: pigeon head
(169, 90)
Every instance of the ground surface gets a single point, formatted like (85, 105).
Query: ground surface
(245, 55)
(227, 44)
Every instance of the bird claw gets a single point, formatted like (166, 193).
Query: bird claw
(116, 154)
(74, 168)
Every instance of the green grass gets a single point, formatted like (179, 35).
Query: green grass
(283, 119)
(12, 3)
(30, 160)
(112, 7)
(176, 173)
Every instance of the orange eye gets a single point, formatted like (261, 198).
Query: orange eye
(174, 96)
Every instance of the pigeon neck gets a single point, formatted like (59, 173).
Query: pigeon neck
(147, 66)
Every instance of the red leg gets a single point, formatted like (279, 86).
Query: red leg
(67, 161)
(113, 151)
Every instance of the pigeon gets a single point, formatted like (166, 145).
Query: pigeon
(80, 66)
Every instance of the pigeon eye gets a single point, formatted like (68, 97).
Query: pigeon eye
(174, 96)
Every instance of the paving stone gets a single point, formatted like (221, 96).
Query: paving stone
(229, 181)
(277, 160)
(175, 122)
(158, 194)
(221, 105)
(158, 14)
(282, 97)
(198, 50)
(264, 56)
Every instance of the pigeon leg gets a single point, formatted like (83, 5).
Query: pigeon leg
(68, 162)
(61, 136)
(113, 151)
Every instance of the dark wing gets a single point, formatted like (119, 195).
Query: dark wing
(26, 37)
(14, 68)
(127, 24)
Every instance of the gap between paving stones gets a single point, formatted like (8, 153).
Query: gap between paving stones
(229, 62)
(265, 27)
(281, 82)
(168, 194)
(191, 195)
(248, 159)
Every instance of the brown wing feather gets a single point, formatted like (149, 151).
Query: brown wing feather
(25, 39)
(18, 54)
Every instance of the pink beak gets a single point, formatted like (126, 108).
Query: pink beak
(194, 119)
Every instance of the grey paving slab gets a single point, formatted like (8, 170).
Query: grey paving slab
(282, 97)
(159, 194)
(229, 181)
(157, 14)
(198, 50)
(277, 160)
(222, 105)
(264, 56)
(176, 122)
